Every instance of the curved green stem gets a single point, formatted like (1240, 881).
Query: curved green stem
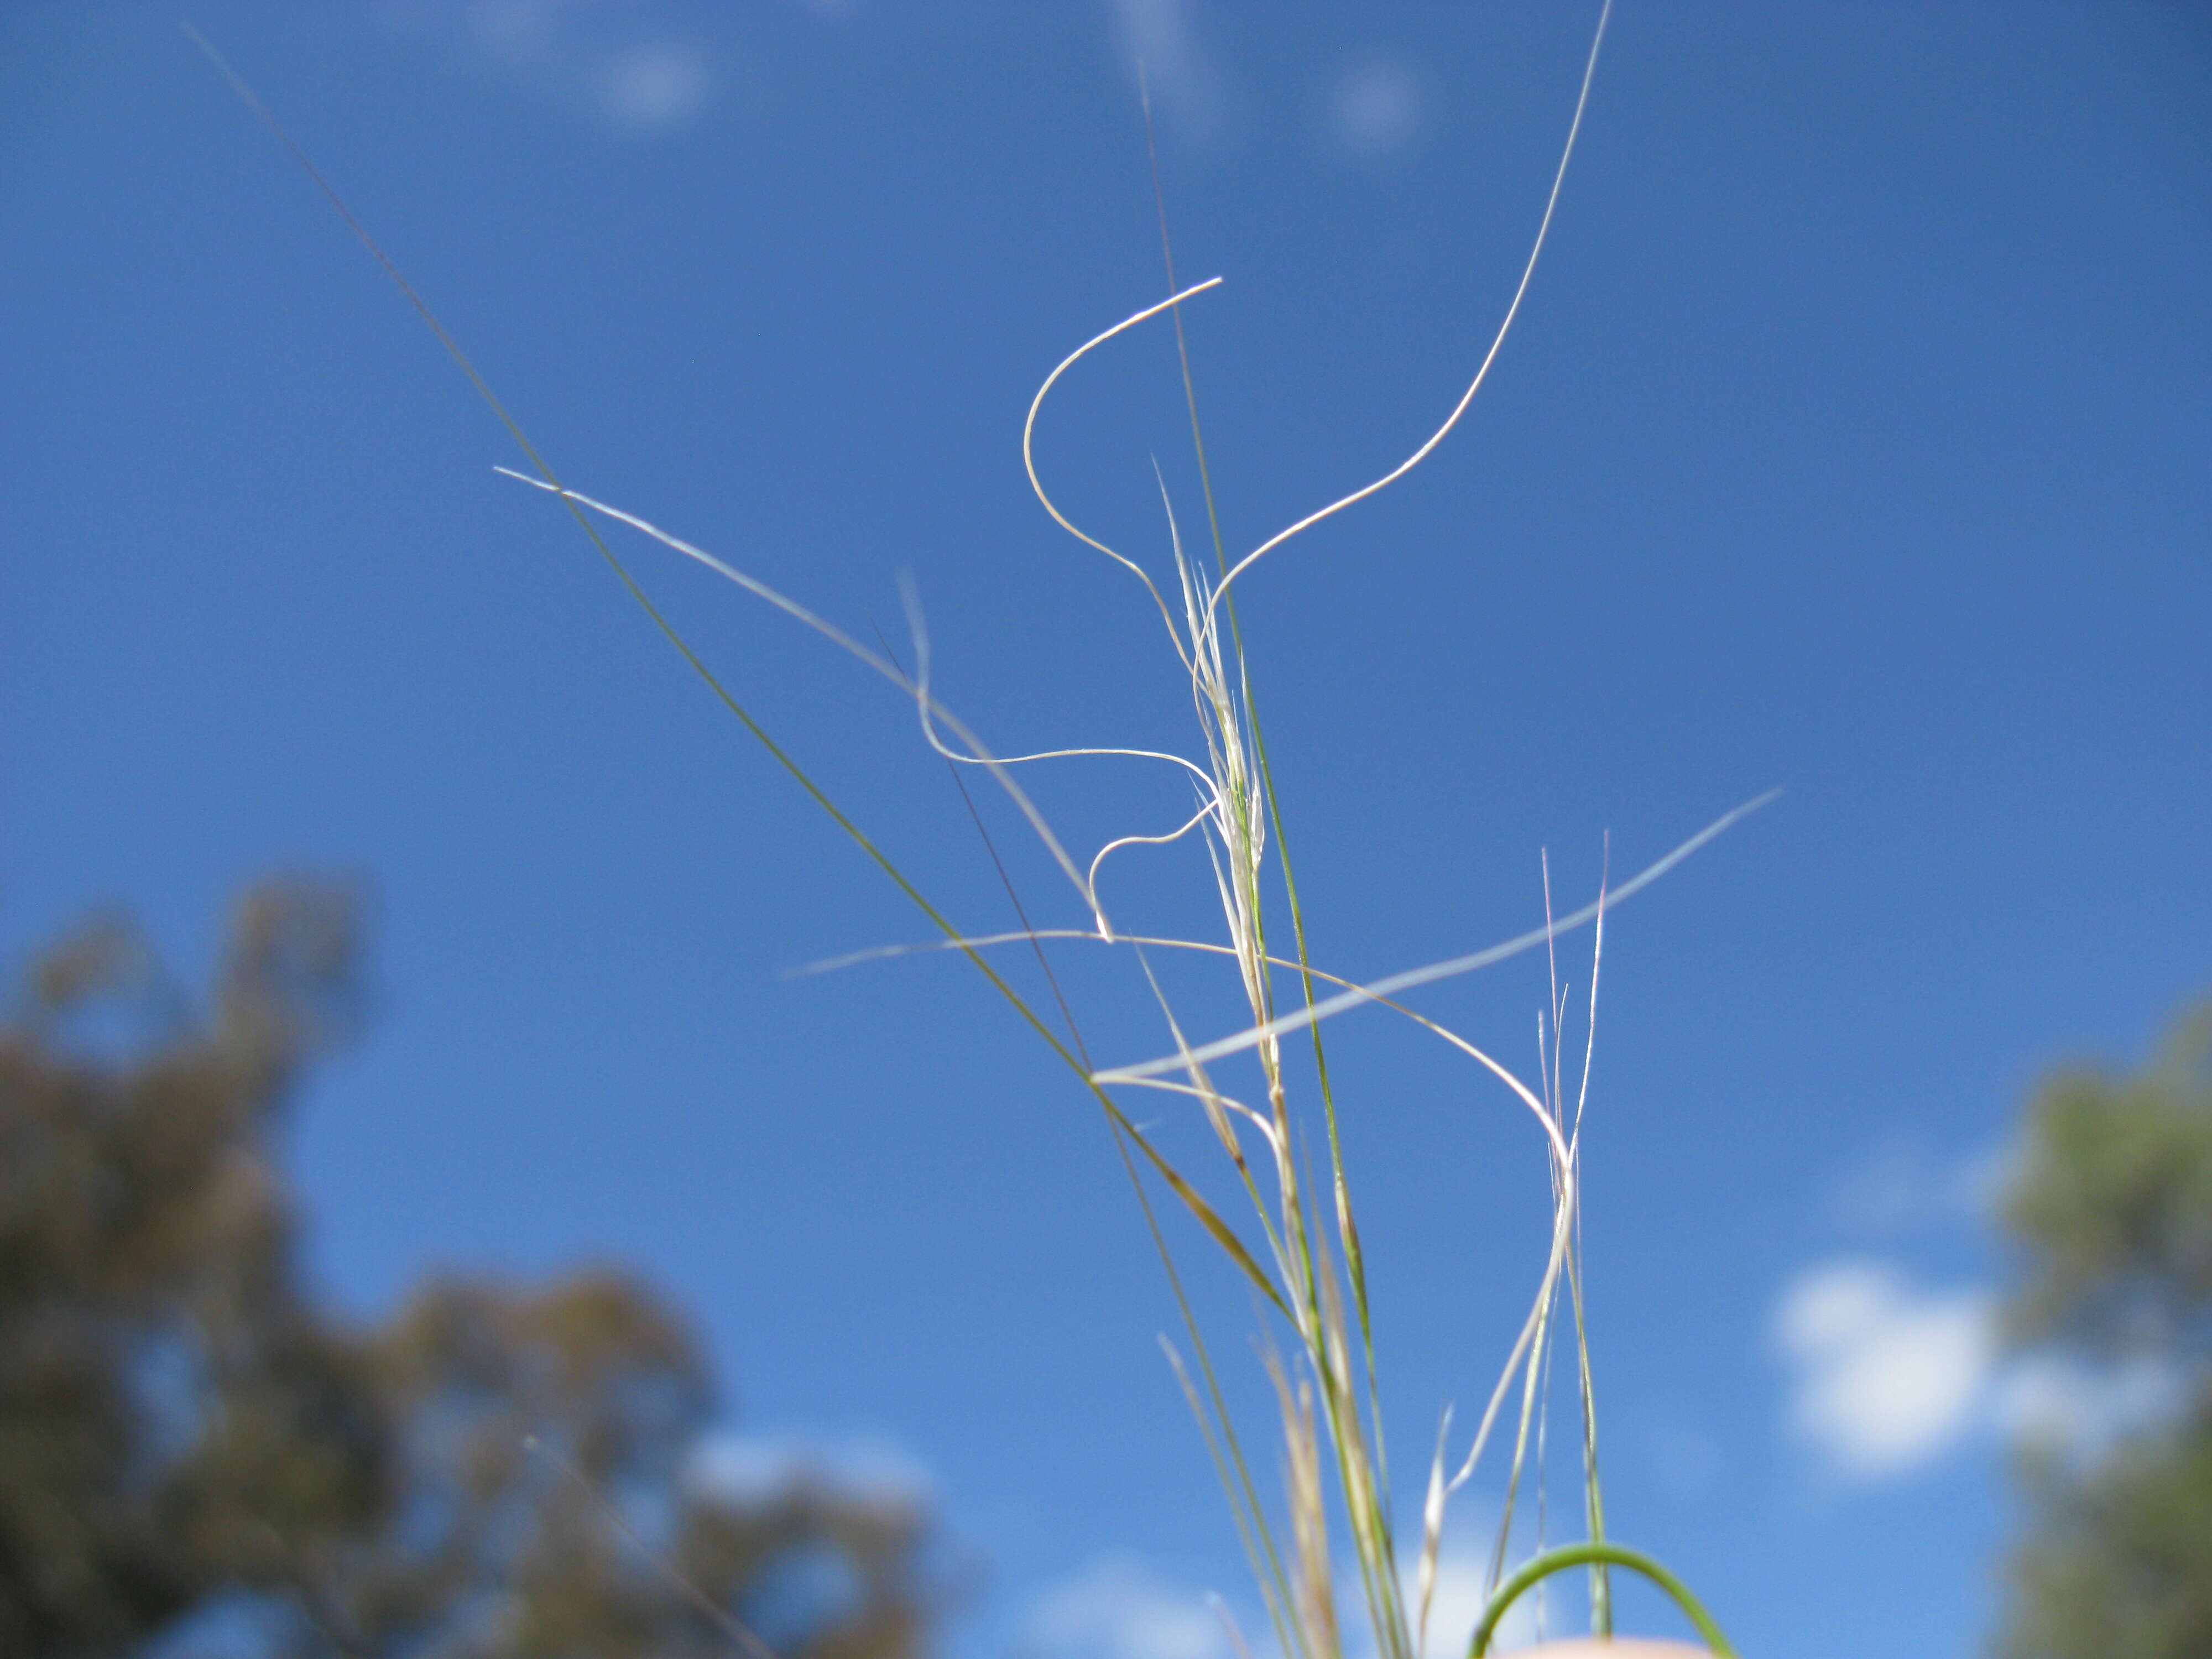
(1582, 1555)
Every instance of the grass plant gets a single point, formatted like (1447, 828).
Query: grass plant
(1299, 1247)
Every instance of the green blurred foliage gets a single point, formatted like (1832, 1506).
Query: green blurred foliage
(2112, 1201)
(189, 1445)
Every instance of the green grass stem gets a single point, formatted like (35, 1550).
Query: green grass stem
(1539, 1568)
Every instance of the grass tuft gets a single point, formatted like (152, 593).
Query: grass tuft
(1299, 1248)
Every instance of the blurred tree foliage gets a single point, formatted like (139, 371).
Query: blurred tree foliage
(2113, 1203)
(189, 1444)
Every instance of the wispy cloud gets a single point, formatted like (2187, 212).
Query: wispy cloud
(1903, 1185)
(1157, 34)
(596, 55)
(751, 1468)
(654, 84)
(1888, 1377)
(2065, 1406)
(1458, 1602)
(1376, 108)
(1117, 1607)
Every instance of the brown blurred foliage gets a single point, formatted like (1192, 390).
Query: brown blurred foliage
(2112, 1205)
(188, 1442)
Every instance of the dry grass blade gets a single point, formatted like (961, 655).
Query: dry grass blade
(1482, 372)
(1432, 1533)
(1381, 990)
(1309, 1505)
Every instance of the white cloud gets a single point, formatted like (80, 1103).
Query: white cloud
(751, 1468)
(1377, 108)
(1118, 1608)
(1889, 1376)
(563, 45)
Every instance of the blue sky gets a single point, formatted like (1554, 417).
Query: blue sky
(1852, 440)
